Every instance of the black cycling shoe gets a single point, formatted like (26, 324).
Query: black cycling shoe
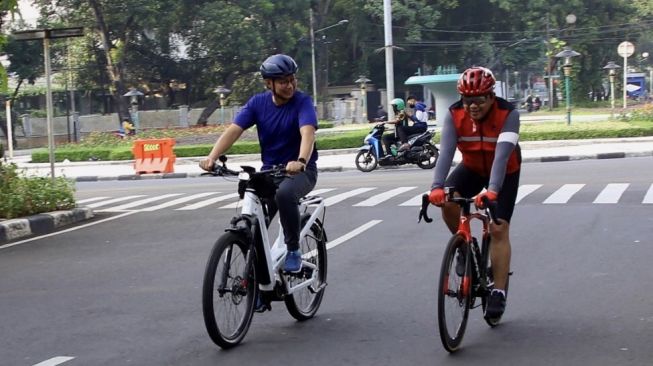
(460, 263)
(496, 305)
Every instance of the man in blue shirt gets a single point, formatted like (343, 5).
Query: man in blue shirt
(286, 122)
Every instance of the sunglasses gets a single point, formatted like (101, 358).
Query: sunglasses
(475, 100)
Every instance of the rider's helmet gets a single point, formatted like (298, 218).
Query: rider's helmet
(476, 81)
(398, 105)
(277, 66)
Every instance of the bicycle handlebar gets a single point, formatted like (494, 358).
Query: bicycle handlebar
(490, 206)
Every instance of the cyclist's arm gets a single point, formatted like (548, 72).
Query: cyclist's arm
(228, 137)
(506, 144)
(308, 141)
(448, 141)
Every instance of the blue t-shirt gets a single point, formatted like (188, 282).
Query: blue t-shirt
(278, 126)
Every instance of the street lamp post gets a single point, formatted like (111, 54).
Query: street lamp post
(612, 72)
(4, 60)
(221, 91)
(344, 21)
(567, 54)
(362, 80)
(133, 95)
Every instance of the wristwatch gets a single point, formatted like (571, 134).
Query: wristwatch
(302, 160)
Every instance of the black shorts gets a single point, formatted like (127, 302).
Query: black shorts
(468, 184)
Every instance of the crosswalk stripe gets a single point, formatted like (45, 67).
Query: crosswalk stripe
(141, 202)
(563, 194)
(207, 202)
(415, 201)
(525, 190)
(93, 199)
(343, 196)
(317, 192)
(178, 201)
(611, 193)
(649, 195)
(381, 197)
(114, 200)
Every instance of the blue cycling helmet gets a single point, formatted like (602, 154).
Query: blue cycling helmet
(278, 66)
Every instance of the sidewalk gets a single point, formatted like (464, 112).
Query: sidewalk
(336, 160)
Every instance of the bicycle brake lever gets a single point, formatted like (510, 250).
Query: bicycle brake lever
(423, 211)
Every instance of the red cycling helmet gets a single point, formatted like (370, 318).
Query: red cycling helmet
(476, 81)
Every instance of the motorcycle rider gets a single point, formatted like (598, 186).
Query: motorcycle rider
(401, 119)
(414, 110)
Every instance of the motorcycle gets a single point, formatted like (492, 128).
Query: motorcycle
(422, 151)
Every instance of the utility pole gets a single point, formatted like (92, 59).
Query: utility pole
(548, 66)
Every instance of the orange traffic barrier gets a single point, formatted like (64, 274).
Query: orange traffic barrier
(154, 156)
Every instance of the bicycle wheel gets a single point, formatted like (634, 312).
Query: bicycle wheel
(303, 303)
(229, 290)
(490, 281)
(454, 294)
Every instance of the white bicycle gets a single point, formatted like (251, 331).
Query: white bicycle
(244, 266)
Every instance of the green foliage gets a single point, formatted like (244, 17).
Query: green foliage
(324, 124)
(24, 196)
(644, 113)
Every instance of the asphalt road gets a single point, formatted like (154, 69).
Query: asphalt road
(126, 288)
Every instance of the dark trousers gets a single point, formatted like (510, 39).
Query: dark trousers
(404, 131)
(290, 190)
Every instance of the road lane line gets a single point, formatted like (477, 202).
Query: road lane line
(382, 197)
(54, 361)
(141, 202)
(563, 194)
(68, 230)
(343, 196)
(178, 201)
(207, 202)
(611, 193)
(114, 200)
(92, 199)
(344, 238)
(649, 195)
(525, 190)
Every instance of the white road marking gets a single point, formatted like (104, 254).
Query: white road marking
(178, 201)
(318, 192)
(92, 199)
(114, 200)
(415, 201)
(525, 190)
(381, 197)
(343, 196)
(563, 194)
(54, 361)
(649, 195)
(67, 230)
(344, 238)
(141, 202)
(611, 193)
(208, 202)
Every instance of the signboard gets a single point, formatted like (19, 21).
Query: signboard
(625, 49)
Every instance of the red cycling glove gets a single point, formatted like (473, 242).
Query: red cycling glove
(491, 196)
(437, 196)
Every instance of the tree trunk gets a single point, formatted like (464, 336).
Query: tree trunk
(203, 119)
(113, 70)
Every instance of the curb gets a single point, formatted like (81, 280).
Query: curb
(42, 223)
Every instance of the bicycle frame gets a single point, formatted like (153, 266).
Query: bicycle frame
(275, 254)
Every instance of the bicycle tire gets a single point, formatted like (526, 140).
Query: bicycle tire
(304, 303)
(490, 279)
(454, 305)
(238, 294)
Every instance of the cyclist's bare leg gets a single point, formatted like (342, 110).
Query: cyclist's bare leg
(500, 253)
(451, 215)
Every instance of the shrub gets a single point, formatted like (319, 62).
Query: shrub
(24, 196)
